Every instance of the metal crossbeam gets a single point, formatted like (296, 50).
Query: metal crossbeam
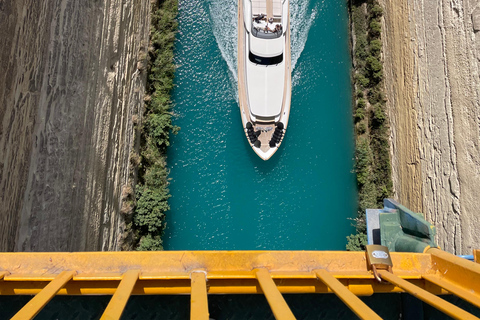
(280, 309)
(351, 300)
(467, 295)
(436, 302)
(36, 304)
(119, 300)
(199, 300)
(455, 269)
(236, 272)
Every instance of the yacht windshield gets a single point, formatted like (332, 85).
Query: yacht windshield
(264, 60)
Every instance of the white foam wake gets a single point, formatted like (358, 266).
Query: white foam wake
(301, 20)
(223, 15)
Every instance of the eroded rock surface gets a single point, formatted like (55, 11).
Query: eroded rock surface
(432, 66)
(69, 86)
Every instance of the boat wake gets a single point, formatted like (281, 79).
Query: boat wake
(301, 20)
(223, 15)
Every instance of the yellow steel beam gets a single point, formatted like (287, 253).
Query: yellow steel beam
(476, 255)
(470, 295)
(438, 303)
(215, 286)
(119, 300)
(279, 307)
(351, 300)
(223, 261)
(198, 296)
(33, 307)
(229, 272)
(461, 272)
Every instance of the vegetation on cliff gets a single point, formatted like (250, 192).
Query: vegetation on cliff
(372, 158)
(151, 192)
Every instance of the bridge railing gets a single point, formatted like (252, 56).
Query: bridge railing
(203, 273)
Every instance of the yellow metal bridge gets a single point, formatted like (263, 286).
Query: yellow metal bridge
(271, 273)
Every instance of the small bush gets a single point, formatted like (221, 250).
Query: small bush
(375, 28)
(377, 76)
(375, 95)
(375, 48)
(359, 114)
(361, 103)
(361, 128)
(361, 48)
(149, 243)
(373, 64)
(356, 242)
(362, 81)
(378, 115)
(376, 11)
(150, 210)
(363, 161)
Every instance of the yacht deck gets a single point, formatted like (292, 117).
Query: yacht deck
(272, 8)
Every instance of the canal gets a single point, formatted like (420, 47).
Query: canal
(223, 195)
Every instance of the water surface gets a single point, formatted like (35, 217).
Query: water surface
(223, 195)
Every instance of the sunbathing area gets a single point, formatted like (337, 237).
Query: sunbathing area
(267, 18)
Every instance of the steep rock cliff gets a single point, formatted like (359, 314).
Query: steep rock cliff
(69, 87)
(432, 60)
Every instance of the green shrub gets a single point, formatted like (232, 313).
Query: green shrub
(156, 176)
(377, 76)
(361, 128)
(149, 243)
(361, 80)
(159, 126)
(376, 11)
(361, 47)
(375, 47)
(374, 69)
(356, 242)
(152, 192)
(375, 95)
(150, 211)
(378, 114)
(372, 152)
(363, 161)
(375, 28)
(361, 103)
(359, 114)
(373, 64)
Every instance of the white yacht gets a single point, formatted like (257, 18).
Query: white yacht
(264, 72)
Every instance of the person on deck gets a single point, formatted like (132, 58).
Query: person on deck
(259, 17)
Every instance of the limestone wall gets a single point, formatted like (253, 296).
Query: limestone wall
(432, 60)
(69, 87)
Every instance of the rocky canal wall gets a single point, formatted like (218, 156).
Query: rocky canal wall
(69, 93)
(432, 62)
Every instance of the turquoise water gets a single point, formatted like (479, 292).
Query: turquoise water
(223, 195)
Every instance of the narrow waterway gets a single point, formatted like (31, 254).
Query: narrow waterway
(223, 195)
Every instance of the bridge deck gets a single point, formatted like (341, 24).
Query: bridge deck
(271, 273)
